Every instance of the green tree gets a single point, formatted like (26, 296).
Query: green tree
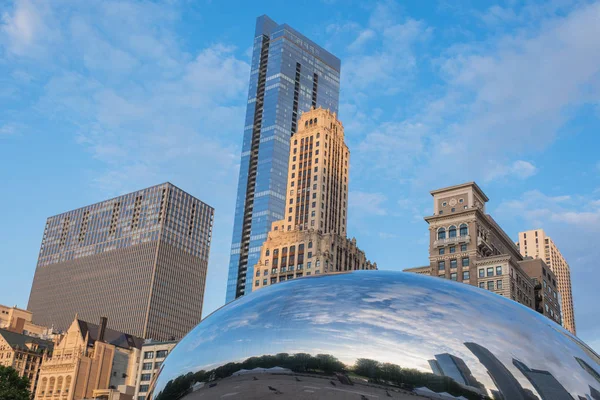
(12, 386)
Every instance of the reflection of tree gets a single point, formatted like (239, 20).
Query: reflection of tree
(325, 364)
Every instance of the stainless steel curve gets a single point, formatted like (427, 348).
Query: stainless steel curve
(377, 334)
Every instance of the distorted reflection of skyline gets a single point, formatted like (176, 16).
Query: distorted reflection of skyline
(398, 318)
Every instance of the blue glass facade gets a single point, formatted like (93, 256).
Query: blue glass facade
(289, 75)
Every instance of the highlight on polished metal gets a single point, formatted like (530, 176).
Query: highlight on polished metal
(375, 335)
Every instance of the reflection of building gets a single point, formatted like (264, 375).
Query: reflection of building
(289, 75)
(151, 358)
(544, 383)
(20, 321)
(24, 354)
(504, 380)
(588, 368)
(536, 244)
(546, 296)
(139, 259)
(467, 245)
(90, 361)
(455, 368)
(311, 238)
(426, 270)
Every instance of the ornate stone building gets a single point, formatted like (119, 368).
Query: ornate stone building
(90, 361)
(467, 245)
(311, 239)
(24, 354)
(17, 320)
(537, 244)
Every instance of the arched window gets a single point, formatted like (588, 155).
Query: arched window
(464, 230)
(306, 123)
(310, 245)
(301, 248)
(275, 252)
(452, 231)
(51, 386)
(315, 120)
(267, 253)
(441, 233)
(67, 384)
(43, 385)
(59, 383)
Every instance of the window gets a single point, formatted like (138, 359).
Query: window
(453, 263)
(441, 265)
(499, 270)
(452, 231)
(257, 273)
(144, 388)
(146, 366)
(267, 253)
(490, 285)
(318, 263)
(463, 247)
(309, 255)
(498, 284)
(465, 262)
(441, 234)
(264, 281)
(267, 263)
(444, 204)
(145, 377)
(461, 200)
(452, 249)
(453, 209)
(453, 276)
(482, 285)
(442, 251)
(148, 355)
(310, 245)
(308, 265)
(464, 230)
(257, 283)
(490, 271)
(466, 275)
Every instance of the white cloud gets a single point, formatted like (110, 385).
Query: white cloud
(362, 39)
(519, 169)
(364, 204)
(7, 130)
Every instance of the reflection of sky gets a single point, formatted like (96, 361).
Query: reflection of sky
(405, 319)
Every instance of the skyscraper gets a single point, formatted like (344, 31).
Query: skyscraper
(311, 238)
(537, 244)
(139, 259)
(289, 75)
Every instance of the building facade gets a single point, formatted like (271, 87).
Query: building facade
(467, 245)
(17, 320)
(90, 361)
(537, 244)
(311, 238)
(140, 259)
(289, 75)
(24, 354)
(151, 358)
(547, 298)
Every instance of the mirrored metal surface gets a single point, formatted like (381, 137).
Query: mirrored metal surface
(375, 335)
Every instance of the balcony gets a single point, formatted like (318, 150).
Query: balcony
(452, 240)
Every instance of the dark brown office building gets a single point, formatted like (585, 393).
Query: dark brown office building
(139, 259)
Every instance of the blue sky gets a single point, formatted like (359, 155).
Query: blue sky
(98, 98)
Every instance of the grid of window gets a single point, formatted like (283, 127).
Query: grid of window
(113, 252)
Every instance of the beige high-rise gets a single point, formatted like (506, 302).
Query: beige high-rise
(535, 243)
(311, 239)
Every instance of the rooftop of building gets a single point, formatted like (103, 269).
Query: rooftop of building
(461, 186)
(20, 341)
(167, 184)
(412, 269)
(150, 342)
(116, 338)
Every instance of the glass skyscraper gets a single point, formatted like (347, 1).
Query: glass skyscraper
(139, 259)
(289, 75)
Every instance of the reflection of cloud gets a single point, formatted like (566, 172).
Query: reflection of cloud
(398, 318)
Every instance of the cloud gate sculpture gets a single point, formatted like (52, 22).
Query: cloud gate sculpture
(374, 335)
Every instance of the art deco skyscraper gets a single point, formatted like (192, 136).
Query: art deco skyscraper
(537, 244)
(139, 259)
(289, 75)
(311, 238)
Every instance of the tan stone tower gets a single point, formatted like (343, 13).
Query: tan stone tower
(311, 239)
(537, 244)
